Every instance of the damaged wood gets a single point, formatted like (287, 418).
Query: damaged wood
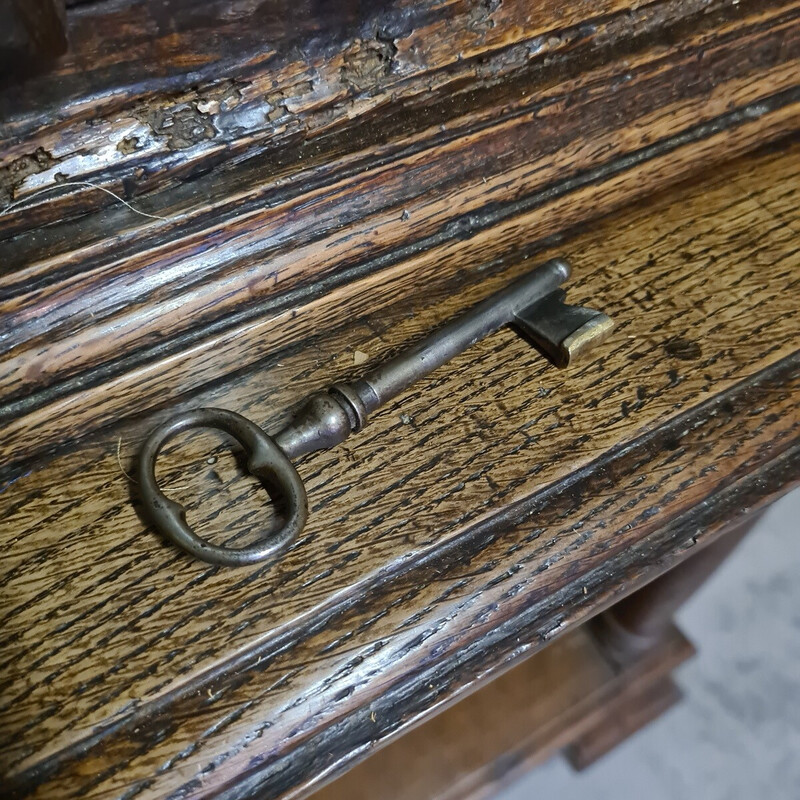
(366, 64)
(417, 64)
(14, 174)
(351, 184)
(488, 512)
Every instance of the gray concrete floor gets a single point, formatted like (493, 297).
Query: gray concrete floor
(736, 734)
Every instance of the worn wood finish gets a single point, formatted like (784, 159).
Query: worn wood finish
(560, 695)
(493, 507)
(148, 90)
(639, 621)
(433, 159)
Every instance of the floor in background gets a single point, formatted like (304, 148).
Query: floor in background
(736, 734)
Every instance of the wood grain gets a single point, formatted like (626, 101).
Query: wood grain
(492, 508)
(566, 692)
(130, 104)
(440, 160)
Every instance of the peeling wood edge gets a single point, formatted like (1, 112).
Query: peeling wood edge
(467, 75)
(462, 227)
(387, 30)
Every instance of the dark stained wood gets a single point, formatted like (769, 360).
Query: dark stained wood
(412, 140)
(44, 22)
(563, 693)
(638, 622)
(590, 690)
(167, 88)
(493, 508)
(324, 181)
(32, 36)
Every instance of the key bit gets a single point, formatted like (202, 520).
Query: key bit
(559, 331)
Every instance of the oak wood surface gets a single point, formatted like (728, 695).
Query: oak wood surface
(567, 692)
(328, 163)
(585, 693)
(490, 509)
(148, 89)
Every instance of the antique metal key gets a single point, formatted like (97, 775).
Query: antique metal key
(533, 305)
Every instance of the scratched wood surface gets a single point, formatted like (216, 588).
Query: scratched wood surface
(519, 720)
(148, 89)
(495, 505)
(418, 134)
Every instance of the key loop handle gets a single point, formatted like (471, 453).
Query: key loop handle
(265, 460)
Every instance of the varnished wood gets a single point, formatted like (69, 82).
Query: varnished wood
(590, 691)
(563, 694)
(637, 623)
(322, 169)
(491, 509)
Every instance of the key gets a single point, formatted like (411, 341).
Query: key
(533, 305)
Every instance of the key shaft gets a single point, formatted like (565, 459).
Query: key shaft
(394, 376)
(329, 417)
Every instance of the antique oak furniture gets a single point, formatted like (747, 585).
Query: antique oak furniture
(238, 203)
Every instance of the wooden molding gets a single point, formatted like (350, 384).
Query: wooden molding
(565, 695)
(539, 126)
(489, 511)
